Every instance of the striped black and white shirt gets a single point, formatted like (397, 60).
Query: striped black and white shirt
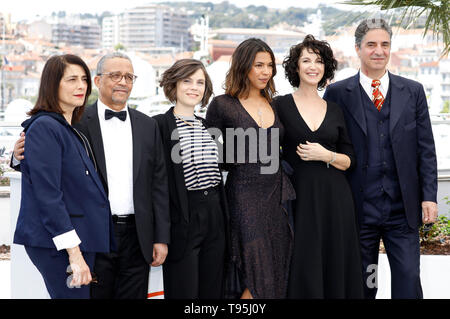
(199, 154)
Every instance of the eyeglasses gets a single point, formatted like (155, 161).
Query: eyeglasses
(117, 77)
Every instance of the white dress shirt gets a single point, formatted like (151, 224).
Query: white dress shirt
(366, 83)
(118, 146)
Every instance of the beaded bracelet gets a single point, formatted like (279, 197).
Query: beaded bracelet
(334, 158)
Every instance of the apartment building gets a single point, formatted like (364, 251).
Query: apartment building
(71, 31)
(279, 40)
(5, 23)
(76, 32)
(110, 32)
(147, 26)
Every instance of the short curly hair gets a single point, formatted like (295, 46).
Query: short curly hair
(322, 48)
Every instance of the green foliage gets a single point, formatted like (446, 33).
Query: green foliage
(436, 231)
(446, 107)
(119, 47)
(93, 97)
(4, 181)
(227, 15)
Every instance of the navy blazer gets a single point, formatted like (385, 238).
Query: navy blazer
(411, 138)
(61, 190)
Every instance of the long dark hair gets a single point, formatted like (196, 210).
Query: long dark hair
(237, 83)
(48, 98)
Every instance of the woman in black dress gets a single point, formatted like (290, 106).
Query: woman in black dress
(326, 258)
(261, 238)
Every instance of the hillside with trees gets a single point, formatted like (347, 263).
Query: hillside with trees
(227, 15)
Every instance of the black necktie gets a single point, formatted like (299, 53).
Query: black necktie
(122, 115)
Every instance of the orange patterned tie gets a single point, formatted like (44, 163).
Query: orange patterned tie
(377, 96)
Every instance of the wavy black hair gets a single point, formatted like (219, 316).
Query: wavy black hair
(322, 48)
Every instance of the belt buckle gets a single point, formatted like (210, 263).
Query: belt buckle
(121, 220)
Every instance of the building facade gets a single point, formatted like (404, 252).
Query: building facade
(147, 26)
(68, 31)
(279, 40)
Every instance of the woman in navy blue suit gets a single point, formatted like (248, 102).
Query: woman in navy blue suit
(64, 215)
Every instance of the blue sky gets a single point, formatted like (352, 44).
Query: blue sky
(22, 9)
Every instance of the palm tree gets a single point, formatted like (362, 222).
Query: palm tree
(437, 12)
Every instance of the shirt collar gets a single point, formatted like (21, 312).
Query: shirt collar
(102, 107)
(367, 82)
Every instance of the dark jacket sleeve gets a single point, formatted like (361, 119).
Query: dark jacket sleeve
(11, 164)
(43, 168)
(344, 144)
(426, 152)
(160, 192)
(330, 94)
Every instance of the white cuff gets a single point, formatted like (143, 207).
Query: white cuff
(15, 161)
(67, 240)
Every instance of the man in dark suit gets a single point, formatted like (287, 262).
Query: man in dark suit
(129, 155)
(395, 178)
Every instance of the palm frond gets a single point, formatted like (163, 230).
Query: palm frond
(437, 20)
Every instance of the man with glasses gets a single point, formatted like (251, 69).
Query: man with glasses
(128, 151)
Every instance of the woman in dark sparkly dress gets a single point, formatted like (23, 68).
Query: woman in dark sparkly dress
(256, 187)
(326, 258)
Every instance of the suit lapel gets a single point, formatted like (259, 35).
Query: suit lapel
(177, 167)
(95, 133)
(399, 97)
(88, 162)
(354, 102)
(137, 144)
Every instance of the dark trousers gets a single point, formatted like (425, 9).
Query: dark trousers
(122, 274)
(53, 266)
(199, 273)
(403, 251)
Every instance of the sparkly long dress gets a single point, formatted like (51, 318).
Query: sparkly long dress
(261, 236)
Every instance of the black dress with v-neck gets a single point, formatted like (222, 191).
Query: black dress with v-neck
(261, 236)
(326, 259)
